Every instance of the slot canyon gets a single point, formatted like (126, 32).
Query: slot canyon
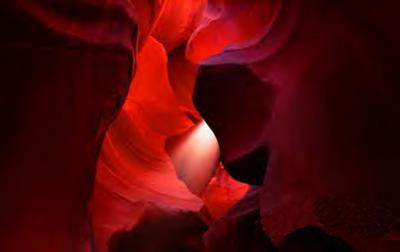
(199, 126)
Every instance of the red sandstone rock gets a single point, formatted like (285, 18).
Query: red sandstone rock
(58, 97)
(314, 81)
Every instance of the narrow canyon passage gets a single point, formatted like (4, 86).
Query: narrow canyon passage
(199, 125)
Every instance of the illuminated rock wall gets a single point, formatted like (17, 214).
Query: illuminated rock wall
(275, 118)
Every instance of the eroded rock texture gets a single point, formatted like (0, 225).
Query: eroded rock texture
(59, 94)
(127, 125)
(174, 232)
(240, 228)
(332, 133)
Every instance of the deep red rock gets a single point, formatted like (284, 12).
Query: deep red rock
(58, 97)
(160, 230)
(239, 229)
(332, 134)
(313, 82)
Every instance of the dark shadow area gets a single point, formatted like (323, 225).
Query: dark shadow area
(162, 232)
